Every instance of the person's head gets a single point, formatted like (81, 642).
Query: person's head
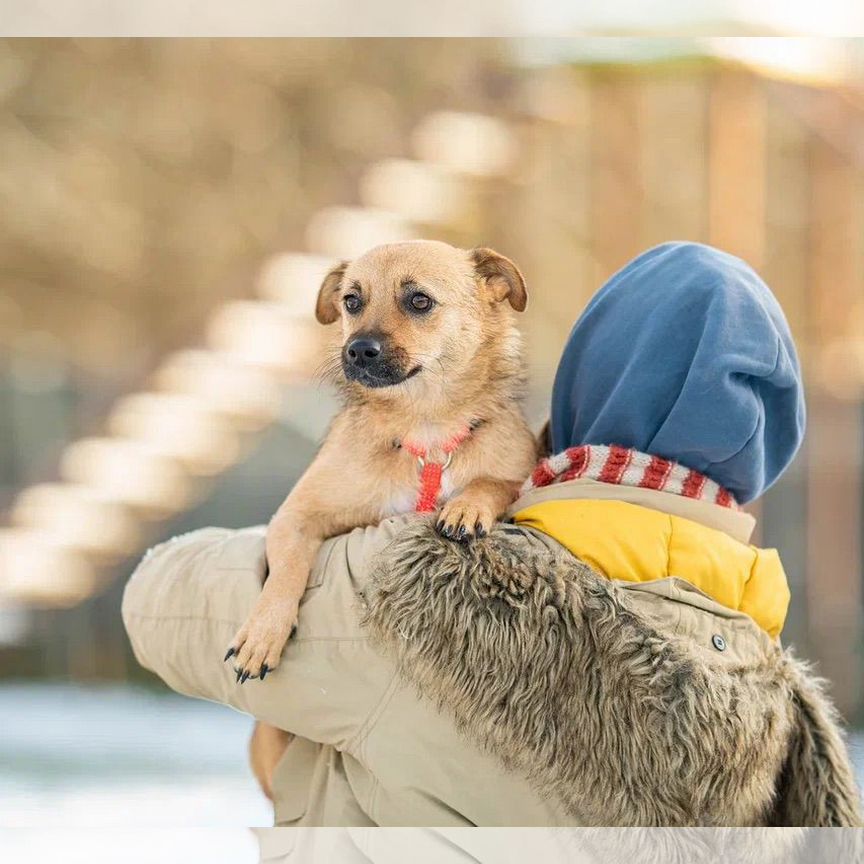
(685, 354)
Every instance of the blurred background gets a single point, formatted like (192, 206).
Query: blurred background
(167, 210)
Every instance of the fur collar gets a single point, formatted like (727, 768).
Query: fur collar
(557, 672)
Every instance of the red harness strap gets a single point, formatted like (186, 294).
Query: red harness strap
(431, 472)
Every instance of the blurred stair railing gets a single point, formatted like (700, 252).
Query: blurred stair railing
(206, 404)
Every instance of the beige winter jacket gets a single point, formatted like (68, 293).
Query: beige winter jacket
(551, 694)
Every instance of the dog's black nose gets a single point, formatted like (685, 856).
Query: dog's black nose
(362, 351)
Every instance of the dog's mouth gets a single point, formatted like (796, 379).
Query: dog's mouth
(379, 376)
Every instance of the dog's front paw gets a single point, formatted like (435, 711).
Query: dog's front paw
(259, 643)
(462, 519)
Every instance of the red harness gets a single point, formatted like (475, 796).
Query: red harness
(431, 471)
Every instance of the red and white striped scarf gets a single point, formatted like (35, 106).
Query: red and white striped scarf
(627, 467)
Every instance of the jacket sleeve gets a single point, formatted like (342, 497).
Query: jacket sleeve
(188, 597)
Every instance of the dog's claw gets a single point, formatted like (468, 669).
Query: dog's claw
(239, 675)
(264, 670)
(230, 654)
(461, 533)
(244, 677)
(481, 532)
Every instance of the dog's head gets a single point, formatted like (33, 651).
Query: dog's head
(420, 312)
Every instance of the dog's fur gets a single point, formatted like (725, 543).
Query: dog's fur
(440, 370)
(557, 672)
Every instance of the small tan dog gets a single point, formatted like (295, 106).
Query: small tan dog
(431, 377)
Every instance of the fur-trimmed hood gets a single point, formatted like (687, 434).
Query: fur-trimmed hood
(606, 695)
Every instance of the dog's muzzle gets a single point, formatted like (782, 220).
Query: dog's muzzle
(367, 360)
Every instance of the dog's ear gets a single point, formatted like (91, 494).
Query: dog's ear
(326, 308)
(502, 277)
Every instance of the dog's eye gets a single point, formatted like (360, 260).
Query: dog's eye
(421, 302)
(352, 303)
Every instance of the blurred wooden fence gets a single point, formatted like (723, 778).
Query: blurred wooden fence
(612, 160)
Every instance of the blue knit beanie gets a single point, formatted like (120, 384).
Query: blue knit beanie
(685, 354)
